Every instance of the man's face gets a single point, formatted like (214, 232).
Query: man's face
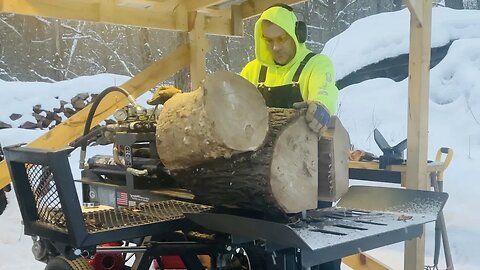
(279, 43)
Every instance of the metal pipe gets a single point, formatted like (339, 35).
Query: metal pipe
(107, 249)
(162, 248)
(438, 187)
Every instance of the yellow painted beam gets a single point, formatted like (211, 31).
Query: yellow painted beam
(363, 261)
(72, 128)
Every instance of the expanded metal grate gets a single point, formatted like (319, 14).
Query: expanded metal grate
(49, 207)
(104, 220)
(44, 189)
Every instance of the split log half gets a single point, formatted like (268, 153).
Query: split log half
(277, 179)
(226, 115)
(333, 155)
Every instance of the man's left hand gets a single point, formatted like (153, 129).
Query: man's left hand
(317, 116)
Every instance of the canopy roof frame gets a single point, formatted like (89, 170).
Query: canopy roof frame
(225, 17)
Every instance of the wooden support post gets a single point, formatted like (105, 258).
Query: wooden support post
(418, 97)
(416, 10)
(237, 21)
(72, 128)
(198, 50)
(363, 261)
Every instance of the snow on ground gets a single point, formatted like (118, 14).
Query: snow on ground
(387, 35)
(379, 103)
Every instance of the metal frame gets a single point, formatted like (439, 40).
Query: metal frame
(420, 29)
(365, 218)
(76, 233)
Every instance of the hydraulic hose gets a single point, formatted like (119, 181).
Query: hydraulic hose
(91, 113)
(84, 139)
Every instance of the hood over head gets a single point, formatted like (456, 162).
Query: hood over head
(286, 20)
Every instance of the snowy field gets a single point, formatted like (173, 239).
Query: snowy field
(454, 121)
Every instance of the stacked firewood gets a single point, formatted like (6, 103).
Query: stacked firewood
(49, 118)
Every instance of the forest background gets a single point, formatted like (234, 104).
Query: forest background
(48, 50)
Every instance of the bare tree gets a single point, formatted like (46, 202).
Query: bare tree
(40, 49)
(456, 4)
(397, 4)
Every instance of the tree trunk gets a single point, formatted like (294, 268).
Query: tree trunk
(58, 53)
(214, 140)
(288, 174)
(278, 178)
(226, 115)
(182, 78)
(397, 5)
(146, 52)
(456, 4)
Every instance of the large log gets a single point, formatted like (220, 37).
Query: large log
(225, 116)
(279, 178)
(214, 140)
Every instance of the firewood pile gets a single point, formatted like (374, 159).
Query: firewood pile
(47, 119)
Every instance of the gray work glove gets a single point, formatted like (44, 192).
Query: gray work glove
(317, 116)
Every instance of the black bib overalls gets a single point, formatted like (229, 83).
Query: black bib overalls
(282, 96)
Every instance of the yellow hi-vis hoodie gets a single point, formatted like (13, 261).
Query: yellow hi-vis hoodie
(317, 80)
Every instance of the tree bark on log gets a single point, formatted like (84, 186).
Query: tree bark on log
(221, 142)
(226, 115)
(277, 179)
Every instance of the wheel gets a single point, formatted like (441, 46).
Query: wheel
(62, 263)
(3, 201)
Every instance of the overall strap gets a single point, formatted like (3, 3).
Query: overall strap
(263, 74)
(263, 70)
(304, 62)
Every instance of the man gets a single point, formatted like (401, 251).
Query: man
(287, 73)
(291, 76)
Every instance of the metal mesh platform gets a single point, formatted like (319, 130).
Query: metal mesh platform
(126, 217)
(149, 213)
(51, 209)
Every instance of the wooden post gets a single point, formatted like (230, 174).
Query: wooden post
(237, 20)
(418, 97)
(198, 50)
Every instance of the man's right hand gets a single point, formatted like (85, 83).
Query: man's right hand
(162, 94)
(316, 116)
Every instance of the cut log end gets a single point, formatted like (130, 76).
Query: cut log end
(226, 115)
(294, 168)
(237, 110)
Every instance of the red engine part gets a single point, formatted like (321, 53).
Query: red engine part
(172, 262)
(108, 261)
